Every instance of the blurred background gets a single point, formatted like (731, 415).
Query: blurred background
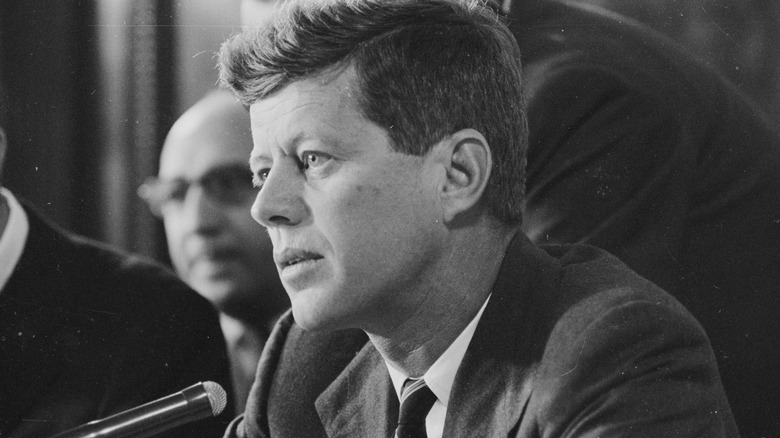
(94, 86)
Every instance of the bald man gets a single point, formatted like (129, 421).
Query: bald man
(203, 194)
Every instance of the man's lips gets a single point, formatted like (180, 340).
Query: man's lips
(213, 255)
(291, 257)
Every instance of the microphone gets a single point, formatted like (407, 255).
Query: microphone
(201, 400)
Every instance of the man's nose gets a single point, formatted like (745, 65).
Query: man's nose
(204, 212)
(279, 202)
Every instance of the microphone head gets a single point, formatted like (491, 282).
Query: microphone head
(217, 397)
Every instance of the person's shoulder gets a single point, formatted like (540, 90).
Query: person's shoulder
(101, 276)
(594, 282)
(111, 263)
(134, 280)
(621, 346)
(560, 292)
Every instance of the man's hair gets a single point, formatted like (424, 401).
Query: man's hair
(425, 69)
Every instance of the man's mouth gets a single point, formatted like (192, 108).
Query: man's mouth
(295, 261)
(292, 257)
(214, 255)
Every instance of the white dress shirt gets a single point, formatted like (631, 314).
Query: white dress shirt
(440, 376)
(13, 237)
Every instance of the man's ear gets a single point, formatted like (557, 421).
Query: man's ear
(468, 162)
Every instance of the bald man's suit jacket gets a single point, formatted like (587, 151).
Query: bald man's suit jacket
(571, 343)
(86, 332)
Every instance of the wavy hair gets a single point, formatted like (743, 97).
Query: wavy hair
(425, 69)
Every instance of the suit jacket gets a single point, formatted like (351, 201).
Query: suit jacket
(571, 343)
(638, 149)
(86, 332)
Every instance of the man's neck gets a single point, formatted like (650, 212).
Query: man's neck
(235, 329)
(460, 291)
(253, 315)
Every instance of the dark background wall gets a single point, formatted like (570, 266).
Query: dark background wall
(94, 86)
(48, 67)
(741, 38)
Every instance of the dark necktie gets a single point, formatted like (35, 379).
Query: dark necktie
(416, 400)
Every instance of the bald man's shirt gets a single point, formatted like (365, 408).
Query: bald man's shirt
(13, 238)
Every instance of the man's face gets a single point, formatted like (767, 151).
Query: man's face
(215, 245)
(356, 227)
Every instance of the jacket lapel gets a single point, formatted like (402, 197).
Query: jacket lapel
(496, 378)
(361, 401)
(294, 370)
(255, 421)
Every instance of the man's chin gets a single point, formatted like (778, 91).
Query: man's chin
(211, 270)
(215, 290)
(216, 276)
(316, 320)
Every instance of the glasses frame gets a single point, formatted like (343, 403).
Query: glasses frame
(158, 193)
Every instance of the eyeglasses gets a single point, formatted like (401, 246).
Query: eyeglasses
(228, 185)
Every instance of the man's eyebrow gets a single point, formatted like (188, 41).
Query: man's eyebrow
(292, 145)
(257, 160)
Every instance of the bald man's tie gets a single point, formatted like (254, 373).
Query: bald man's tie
(416, 401)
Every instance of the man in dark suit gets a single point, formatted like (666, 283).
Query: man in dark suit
(639, 150)
(86, 332)
(389, 145)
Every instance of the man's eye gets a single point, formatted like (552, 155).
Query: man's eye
(176, 190)
(313, 160)
(258, 179)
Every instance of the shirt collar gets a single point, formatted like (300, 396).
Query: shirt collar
(13, 237)
(441, 375)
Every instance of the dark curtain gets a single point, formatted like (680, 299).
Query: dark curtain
(740, 38)
(139, 99)
(91, 98)
(48, 68)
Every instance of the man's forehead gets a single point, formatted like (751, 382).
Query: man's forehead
(311, 94)
(192, 150)
(193, 157)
